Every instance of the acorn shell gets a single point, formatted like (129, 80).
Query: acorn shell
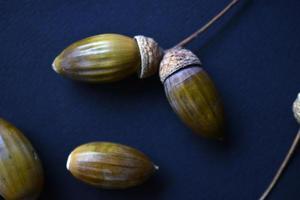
(108, 58)
(109, 165)
(100, 58)
(192, 94)
(296, 108)
(21, 174)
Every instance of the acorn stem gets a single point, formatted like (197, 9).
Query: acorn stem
(282, 166)
(207, 25)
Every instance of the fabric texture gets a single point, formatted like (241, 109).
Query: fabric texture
(252, 54)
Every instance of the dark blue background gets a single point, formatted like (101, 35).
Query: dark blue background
(253, 54)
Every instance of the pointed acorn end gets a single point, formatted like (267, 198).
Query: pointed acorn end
(56, 65)
(69, 162)
(296, 108)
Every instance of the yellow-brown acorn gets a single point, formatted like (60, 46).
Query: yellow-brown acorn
(110, 165)
(191, 93)
(21, 174)
(109, 58)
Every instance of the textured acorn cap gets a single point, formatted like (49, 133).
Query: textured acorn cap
(151, 55)
(176, 59)
(296, 108)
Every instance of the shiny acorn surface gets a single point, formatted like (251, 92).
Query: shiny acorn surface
(100, 58)
(110, 165)
(21, 174)
(193, 96)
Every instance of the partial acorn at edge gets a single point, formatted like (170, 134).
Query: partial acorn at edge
(21, 173)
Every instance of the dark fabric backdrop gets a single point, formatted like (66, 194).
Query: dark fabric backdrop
(252, 54)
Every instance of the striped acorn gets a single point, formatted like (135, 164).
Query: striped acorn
(21, 174)
(191, 93)
(110, 165)
(109, 58)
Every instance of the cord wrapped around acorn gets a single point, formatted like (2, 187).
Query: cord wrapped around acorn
(113, 57)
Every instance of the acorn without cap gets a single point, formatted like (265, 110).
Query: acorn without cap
(21, 173)
(110, 165)
(191, 93)
(109, 58)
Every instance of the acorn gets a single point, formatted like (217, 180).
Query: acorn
(109, 58)
(110, 165)
(189, 89)
(191, 93)
(21, 173)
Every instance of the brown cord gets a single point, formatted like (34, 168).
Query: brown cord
(207, 25)
(282, 166)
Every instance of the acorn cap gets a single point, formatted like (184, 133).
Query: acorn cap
(296, 108)
(151, 55)
(176, 59)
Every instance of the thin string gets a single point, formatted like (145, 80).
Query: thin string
(206, 26)
(282, 167)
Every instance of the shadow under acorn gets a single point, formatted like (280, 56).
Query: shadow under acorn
(151, 189)
(230, 137)
(130, 87)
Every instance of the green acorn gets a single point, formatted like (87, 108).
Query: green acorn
(110, 165)
(191, 93)
(21, 173)
(109, 58)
